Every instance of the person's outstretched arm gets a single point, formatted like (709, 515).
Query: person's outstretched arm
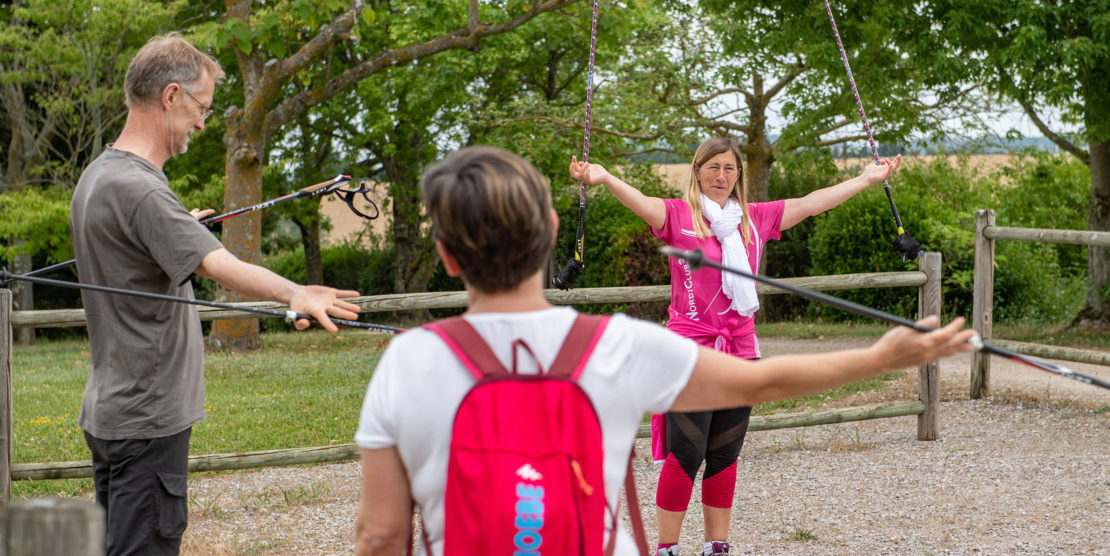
(816, 202)
(719, 380)
(651, 209)
(261, 283)
(385, 504)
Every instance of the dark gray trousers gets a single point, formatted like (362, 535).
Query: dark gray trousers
(141, 483)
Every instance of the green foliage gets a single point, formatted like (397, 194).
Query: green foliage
(1048, 192)
(62, 64)
(936, 203)
(1035, 281)
(40, 218)
(195, 193)
(794, 175)
(346, 266)
(790, 43)
(1045, 54)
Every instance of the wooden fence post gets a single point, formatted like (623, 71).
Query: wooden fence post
(52, 527)
(5, 396)
(982, 311)
(928, 375)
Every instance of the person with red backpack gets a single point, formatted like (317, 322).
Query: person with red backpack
(511, 427)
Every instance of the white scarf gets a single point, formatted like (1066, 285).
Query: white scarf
(725, 224)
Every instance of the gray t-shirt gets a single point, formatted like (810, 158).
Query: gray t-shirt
(131, 232)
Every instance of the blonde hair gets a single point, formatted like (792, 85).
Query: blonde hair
(708, 149)
(166, 59)
(491, 210)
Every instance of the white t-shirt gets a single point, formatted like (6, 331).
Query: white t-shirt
(637, 367)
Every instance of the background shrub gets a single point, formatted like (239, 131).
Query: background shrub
(937, 203)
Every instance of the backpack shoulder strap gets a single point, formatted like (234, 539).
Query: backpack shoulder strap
(465, 342)
(633, 513)
(577, 347)
(634, 507)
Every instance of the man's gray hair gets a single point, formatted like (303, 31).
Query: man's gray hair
(166, 59)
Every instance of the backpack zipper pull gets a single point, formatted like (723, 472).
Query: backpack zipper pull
(582, 484)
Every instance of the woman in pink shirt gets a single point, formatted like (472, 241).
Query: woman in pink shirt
(715, 310)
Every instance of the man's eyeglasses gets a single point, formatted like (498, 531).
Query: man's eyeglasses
(205, 110)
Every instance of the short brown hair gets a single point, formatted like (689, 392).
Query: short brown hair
(491, 209)
(166, 59)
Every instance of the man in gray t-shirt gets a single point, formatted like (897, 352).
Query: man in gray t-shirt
(131, 232)
(146, 383)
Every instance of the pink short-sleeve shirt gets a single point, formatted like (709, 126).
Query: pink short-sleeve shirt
(697, 295)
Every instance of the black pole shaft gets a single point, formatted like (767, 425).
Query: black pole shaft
(43, 270)
(893, 208)
(697, 259)
(289, 315)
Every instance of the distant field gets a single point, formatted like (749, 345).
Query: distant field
(982, 162)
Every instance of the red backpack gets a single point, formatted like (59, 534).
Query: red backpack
(525, 471)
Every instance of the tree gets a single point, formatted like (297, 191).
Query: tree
(61, 76)
(722, 67)
(1043, 55)
(296, 40)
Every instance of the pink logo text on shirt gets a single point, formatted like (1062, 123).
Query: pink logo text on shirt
(688, 283)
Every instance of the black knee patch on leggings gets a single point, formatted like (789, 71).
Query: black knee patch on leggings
(714, 437)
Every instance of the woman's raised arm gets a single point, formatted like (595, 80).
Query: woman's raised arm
(651, 209)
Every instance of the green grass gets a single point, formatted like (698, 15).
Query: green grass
(1056, 335)
(816, 400)
(805, 330)
(306, 389)
(301, 389)
(802, 535)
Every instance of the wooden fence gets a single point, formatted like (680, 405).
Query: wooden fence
(982, 313)
(925, 407)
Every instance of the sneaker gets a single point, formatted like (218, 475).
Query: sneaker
(716, 548)
(668, 551)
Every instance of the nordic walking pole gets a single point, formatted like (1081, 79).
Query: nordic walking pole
(697, 259)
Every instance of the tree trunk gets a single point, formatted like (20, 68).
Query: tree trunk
(242, 235)
(413, 248)
(760, 158)
(1096, 312)
(759, 153)
(313, 258)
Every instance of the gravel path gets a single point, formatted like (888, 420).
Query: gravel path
(1024, 472)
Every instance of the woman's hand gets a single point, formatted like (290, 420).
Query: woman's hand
(876, 173)
(651, 209)
(903, 347)
(588, 173)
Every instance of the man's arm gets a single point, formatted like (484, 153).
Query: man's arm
(260, 283)
(385, 505)
(719, 380)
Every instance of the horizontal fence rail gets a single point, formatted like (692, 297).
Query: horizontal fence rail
(349, 452)
(63, 318)
(1043, 235)
(983, 295)
(924, 407)
(1055, 352)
